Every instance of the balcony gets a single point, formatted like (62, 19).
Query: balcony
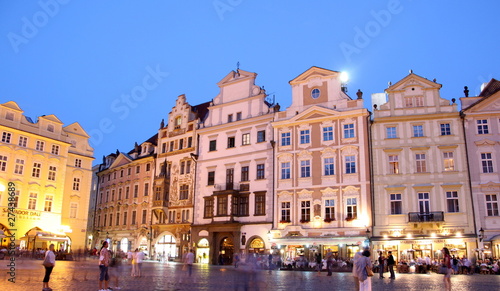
(426, 216)
(230, 188)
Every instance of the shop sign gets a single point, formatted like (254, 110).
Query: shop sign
(423, 242)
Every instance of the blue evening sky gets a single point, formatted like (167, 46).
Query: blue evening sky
(78, 59)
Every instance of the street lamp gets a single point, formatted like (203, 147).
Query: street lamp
(481, 234)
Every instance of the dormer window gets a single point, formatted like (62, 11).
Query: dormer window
(50, 128)
(9, 116)
(315, 93)
(178, 122)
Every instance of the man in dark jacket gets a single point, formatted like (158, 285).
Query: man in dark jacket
(390, 264)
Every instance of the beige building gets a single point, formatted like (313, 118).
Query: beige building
(124, 201)
(234, 177)
(47, 166)
(422, 199)
(481, 115)
(174, 186)
(322, 190)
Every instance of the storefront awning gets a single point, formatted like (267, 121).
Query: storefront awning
(47, 236)
(355, 240)
(493, 238)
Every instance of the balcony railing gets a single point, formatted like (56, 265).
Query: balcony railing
(426, 216)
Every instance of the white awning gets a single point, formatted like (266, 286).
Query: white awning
(356, 240)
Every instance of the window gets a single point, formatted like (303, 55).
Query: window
(452, 201)
(420, 163)
(285, 170)
(15, 203)
(238, 115)
(209, 208)
(117, 218)
(244, 173)
(183, 166)
(260, 171)
(418, 130)
(171, 146)
(105, 219)
(146, 189)
(129, 171)
(6, 137)
(190, 142)
(107, 196)
(391, 132)
(260, 204)
(221, 205)
(144, 216)
(487, 162)
(445, 129)
(119, 193)
(329, 167)
(134, 217)
(3, 163)
(114, 175)
(245, 139)
(424, 202)
(76, 184)
(327, 133)
(482, 126)
(393, 164)
(349, 130)
(127, 192)
(138, 169)
(136, 191)
(305, 211)
(240, 205)
(396, 204)
(285, 139)
(329, 209)
(211, 178)
(125, 218)
(48, 203)
(36, 170)
(285, 212)
(449, 162)
(19, 167)
(23, 141)
(305, 136)
(164, 147)
(350, 164)
(352, 208)
(148, 167)
(305, 169)
(492, 205)
(110, 219)
(213, 145)
(188, 167)
(9, 116)
(229, 178)
(315, 93)
(184, 192)
(32, 201)
(231, 142)
(73, 209)
(52, 173)
(229, 118)
(414, 101)
(55, 149)
(39, 145)
(261, 136)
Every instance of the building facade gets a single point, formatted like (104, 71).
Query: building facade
(47, 168)
(481, 117)
(234, 177)
(123, 207)
(322, 191)
(174, 182)
(422, 199)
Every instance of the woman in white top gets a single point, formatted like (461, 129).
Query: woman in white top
(49, 263)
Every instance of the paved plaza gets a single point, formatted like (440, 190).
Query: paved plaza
(82, 275)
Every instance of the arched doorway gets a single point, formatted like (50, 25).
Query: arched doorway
(202, 251)
(226, 251)
(124, 245)
(257, 246)
(166, 245)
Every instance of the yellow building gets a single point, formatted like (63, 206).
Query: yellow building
(45, 179)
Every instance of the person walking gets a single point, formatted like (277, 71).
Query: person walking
(104, 258)
(49, 262)
(355, 260)
(390, 264)
(364, 262)
(329, 262)
(189, 260)
(115, 269)
(134, 264)
(381, 264)
(446, 262)
(319, 262)
(139, 258)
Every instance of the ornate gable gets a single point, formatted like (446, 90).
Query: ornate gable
(313, 72)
